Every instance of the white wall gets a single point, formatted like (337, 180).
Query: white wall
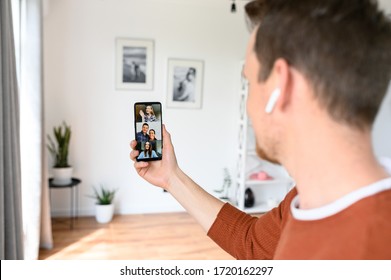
(385, 5)
(382, 127)
(79, 61)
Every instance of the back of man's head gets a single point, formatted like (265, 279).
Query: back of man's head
(343, 48)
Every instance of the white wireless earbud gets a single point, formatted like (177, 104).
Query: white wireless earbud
(272, 100)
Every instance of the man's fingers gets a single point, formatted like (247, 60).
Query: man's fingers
(133, 144)
(134, 154)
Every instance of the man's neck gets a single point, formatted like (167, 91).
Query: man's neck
(327, 166)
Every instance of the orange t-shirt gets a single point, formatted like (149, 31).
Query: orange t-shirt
(361, 230)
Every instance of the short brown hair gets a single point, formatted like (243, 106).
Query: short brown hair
(342, 47)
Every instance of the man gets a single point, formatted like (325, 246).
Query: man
(317, 72)
(143, 136)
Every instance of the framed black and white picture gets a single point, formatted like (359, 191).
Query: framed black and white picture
(134, 64)
(185, 82)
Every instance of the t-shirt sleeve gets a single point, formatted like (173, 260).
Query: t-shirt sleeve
(247, 237)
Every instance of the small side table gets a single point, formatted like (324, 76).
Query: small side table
(74, 196)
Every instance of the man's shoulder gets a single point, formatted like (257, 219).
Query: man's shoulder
(377, 206)
(291, 195)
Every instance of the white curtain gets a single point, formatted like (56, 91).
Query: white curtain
(35, 193)
(11, 233)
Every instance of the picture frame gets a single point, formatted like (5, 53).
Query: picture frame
(185, 83)
(134, 64)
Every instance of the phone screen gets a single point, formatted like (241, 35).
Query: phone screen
(148, 130)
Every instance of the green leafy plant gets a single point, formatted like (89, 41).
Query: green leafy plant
(103, 196)
(226, 183)
(60, 150)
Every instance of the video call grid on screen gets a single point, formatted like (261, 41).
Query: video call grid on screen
(156, 125)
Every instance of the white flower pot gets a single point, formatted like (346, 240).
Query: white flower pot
(104, 213)
(62, 176)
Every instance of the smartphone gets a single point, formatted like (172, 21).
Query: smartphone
(148, 130)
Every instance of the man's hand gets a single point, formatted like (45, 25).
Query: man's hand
(159, 172)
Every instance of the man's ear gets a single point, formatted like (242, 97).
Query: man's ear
(282, 79)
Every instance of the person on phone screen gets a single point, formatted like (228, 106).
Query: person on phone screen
(152, 138)
(143, 135)
(317, 73)
(147, 152)
(149, 115)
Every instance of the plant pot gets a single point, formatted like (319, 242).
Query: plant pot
(62, 176)
(104, 213)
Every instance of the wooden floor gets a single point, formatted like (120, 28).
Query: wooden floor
(168, 236)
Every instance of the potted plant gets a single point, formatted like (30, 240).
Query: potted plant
(104, 207)
(226, 185)
(62, 171)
